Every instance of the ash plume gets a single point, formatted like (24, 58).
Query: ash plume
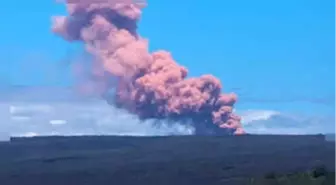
(149, 85)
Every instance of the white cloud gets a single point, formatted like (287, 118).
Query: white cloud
(250, 116)
(50, 111)
(273, 122)
(29, 134)
(31, 115)
(58, 122)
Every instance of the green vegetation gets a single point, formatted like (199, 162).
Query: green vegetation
(317, 176)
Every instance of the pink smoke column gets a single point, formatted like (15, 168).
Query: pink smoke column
(150, 85)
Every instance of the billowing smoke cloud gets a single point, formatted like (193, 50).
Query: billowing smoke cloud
(149, 85)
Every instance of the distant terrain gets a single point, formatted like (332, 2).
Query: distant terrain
(184, 160)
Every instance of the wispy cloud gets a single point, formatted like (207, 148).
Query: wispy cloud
(50, 111)
(273, 122)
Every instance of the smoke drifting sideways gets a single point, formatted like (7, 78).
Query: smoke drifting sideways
(149, 85)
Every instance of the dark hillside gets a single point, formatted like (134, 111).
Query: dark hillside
(158, 160)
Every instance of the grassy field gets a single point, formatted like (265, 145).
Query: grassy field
(195, 160)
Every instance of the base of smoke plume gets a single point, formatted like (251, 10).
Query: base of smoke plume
(192, 123)
(29, 111)
(96, 118)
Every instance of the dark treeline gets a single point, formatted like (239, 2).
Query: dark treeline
(101, 160)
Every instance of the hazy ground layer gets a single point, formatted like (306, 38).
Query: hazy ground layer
(36, 111)
(158, 160)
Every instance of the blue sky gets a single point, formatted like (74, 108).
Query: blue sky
(274, 54)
